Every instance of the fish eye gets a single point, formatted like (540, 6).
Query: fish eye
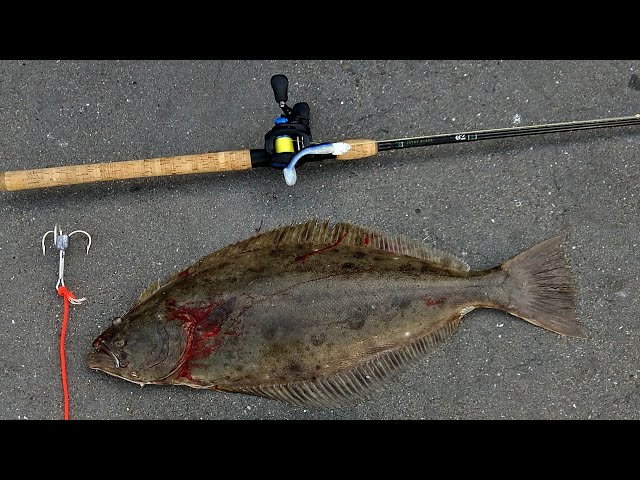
(116, 321)
(119, 343)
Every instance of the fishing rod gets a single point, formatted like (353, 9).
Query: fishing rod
(287, 145)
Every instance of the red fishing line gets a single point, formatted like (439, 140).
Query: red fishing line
(61, 242)
(63, 292)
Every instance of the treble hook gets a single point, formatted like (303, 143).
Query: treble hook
(61, 242)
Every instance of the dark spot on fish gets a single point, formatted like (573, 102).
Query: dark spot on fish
(223, 264)
(317, 339)
(426, 269)
(254, 269)
(634, 82)
(356, 322)
(295, 367)
(348, 266)
(401, 303)
(317, 367)
(359, 255)
(270, 332)
(407, 267)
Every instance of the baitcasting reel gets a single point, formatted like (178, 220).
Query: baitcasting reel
(290, 138)
(290, 132)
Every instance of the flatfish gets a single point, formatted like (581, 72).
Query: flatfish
(322, 315)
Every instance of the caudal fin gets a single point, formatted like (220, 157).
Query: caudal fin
(542, 290)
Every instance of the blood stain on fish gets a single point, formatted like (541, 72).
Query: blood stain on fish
(434, 301)
(200, 329)
(302, 258)
(188, 314)
(199, 348)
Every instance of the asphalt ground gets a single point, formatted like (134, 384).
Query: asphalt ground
(484, 201)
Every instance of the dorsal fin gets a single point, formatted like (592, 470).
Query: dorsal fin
(148, 292)
(356, 384)
(318, 234)
(321, 234)
(365, 237)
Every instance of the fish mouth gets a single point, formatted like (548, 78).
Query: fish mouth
(103, 356)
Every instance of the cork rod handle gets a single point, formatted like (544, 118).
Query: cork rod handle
(100, 172)
(360, 148)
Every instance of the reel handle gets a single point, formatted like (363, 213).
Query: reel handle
(280, 85)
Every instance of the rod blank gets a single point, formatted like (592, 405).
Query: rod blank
(507, 132)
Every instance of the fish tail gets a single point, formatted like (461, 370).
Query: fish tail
(541, 289)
